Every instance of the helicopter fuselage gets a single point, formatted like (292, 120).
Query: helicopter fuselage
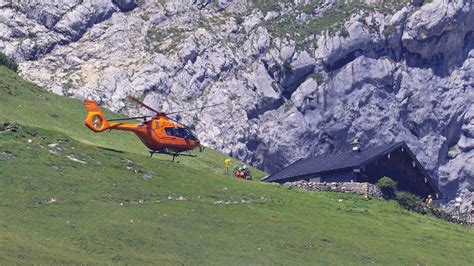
(159, 134)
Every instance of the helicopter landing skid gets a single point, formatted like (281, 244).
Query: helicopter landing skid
(174, 154)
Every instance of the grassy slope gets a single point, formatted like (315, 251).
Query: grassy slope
(106, 212)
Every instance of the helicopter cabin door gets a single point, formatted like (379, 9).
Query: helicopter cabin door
(175, 136)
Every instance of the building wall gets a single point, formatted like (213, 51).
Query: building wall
(344, 176)
(338, 177)
(401, 168)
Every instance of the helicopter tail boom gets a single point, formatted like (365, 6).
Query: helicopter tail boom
(95, 119)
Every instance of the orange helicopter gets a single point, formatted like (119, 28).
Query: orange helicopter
(161, 134)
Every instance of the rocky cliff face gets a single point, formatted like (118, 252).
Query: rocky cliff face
(297, 78)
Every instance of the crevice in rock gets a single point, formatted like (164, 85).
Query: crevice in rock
(437, 63)
(264, 107)
(442, 64)
(449, 188)
(408, 124)
(294, 79)
(270, 70)
(351, 56)
(252, 144)
(342, 61)
(452, 132)
(125, 5)
(468, 44)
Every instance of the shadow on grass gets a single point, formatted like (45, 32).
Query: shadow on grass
(110, 149)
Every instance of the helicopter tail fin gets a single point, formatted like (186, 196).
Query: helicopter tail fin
(95, 119)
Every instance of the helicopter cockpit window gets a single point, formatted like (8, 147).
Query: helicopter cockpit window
(170, 131)
(188, 134)
(183, 133)
(180, 133)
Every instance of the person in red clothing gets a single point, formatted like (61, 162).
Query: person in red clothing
(242, 172)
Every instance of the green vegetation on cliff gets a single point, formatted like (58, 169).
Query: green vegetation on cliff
(8, 62)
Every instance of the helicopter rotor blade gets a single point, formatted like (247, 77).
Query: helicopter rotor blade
(131, 98)
(181, 124)
(200, 108)
(128, 118)
(177, 122)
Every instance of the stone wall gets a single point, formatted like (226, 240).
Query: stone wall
(365, 189)
(439, 213)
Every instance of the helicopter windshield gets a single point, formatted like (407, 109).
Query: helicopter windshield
(180, 133)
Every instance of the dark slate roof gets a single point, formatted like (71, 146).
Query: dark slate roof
(333, 162)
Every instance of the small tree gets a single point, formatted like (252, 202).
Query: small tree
(387, 186)
(8, 62)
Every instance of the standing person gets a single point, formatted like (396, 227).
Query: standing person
(472, 211)
(228, 164)
(429, 200)
(457, 205)
(246, 172)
